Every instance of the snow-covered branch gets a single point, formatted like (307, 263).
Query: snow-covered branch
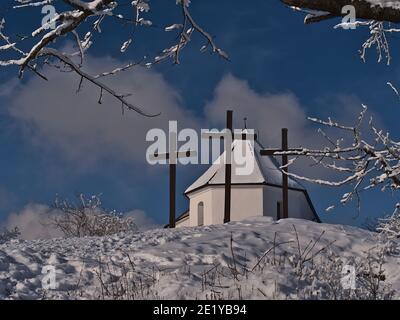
(36, 49)
(378, 10)
(377, 15)
(359, 163)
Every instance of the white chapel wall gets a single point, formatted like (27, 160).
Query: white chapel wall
(183, 223)
(298, 205)
(246, 201)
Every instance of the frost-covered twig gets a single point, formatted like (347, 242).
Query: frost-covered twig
(374, 14)
(389, 231)
(379, 10)
(87, 217)
(76, 15)
(361, 164)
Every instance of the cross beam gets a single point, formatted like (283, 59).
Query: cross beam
(229, 135)
(223, 135)
(172, 159)
(283, 152)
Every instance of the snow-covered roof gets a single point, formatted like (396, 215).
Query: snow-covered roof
(245, 154)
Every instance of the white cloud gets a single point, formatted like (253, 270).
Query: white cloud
(54, 117)
(142, 221)
(267, 113)
(34, 222)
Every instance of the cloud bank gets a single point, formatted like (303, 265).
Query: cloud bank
(266, 113)
(34, 222)
(57, 119)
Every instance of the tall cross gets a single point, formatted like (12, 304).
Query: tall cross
(229, 136)
(283, 152)
(228, 170)
(172, 158)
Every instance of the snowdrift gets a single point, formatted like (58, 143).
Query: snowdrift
(253, 259)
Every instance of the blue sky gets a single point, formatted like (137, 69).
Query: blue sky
(315, 68)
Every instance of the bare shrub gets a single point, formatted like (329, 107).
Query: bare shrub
(390, 227)
(389, 232)
(87, 217)
(325, 278)
(124, 281)
(311, 272)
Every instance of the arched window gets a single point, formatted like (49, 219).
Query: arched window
(200, 214)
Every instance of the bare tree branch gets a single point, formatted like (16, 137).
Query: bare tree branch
(77, 17)
(365, 9)
(362, 165)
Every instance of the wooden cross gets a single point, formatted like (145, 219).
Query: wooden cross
(172, 160)
(228, 164)
(285, 181)
(228, 170)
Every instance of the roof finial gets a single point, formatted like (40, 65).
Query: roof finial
(245, 122)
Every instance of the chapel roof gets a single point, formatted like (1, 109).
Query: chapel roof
(265, 170)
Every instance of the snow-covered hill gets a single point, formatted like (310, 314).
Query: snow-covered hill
(256, 258)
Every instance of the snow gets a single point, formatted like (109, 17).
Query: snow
(177, 260)
(173, 27)
(125, 45)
